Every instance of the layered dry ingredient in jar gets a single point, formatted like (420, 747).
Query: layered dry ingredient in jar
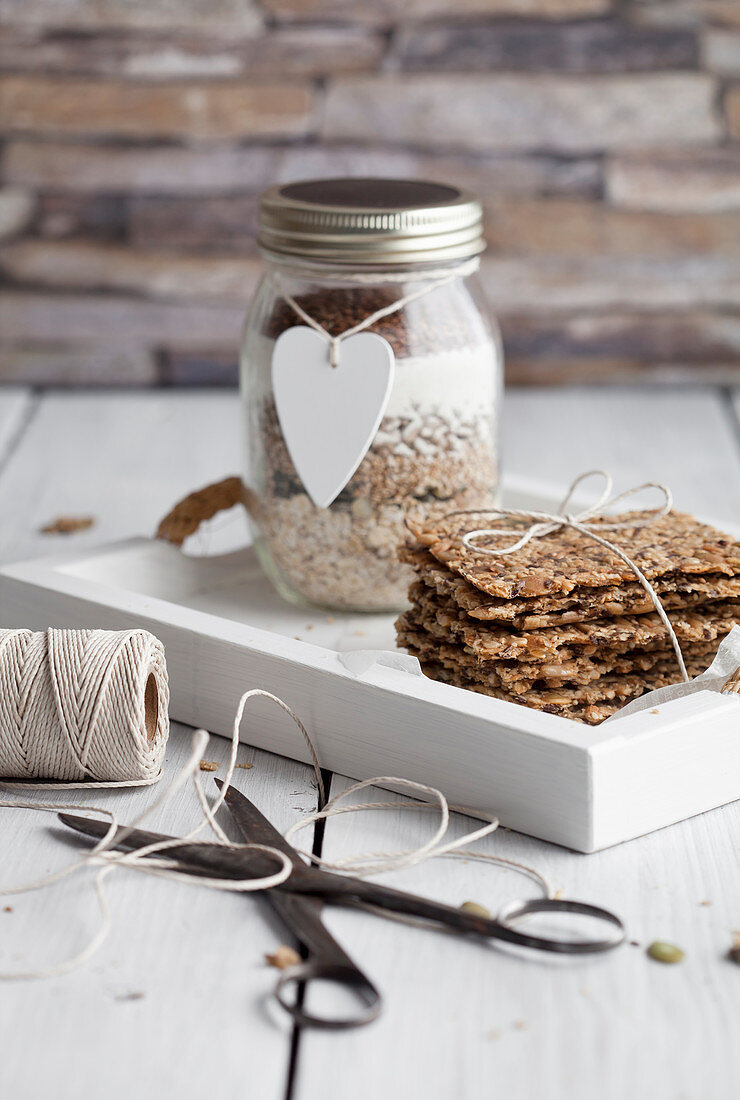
(435, 448)
(562, 625)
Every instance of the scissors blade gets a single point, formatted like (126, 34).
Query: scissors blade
(301, 915)
(215, 859)
(254, 826)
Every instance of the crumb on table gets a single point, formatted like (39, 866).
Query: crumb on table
(283, 957)
(68, 525)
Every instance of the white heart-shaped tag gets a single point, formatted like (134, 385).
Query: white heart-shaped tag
(329, 415)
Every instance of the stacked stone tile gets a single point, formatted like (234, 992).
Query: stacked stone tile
(562, 625)
(603, 137)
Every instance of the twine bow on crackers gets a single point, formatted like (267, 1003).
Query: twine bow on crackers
(545, 523)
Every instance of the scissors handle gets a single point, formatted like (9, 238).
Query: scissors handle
(517, 909)
(344, 890)
(327, 961)
(349, 976)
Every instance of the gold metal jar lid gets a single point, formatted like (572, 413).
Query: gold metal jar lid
(373, 222)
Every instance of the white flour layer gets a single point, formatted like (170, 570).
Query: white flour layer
(460, 384)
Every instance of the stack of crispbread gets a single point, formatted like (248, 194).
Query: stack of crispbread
(562, 624)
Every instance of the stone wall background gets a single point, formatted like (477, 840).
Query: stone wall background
(603, 136)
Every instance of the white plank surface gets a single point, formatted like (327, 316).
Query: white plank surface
(196, 957)
(177, 999)
(461, 1021)
(680, 437)
(462, 1017)
(124, 458)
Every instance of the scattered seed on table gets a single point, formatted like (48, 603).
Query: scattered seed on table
(475, 909)
(665, 952)
(209, 765)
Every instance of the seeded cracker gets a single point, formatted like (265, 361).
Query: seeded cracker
(561, 625)
(581, 605)
(521, 676)
(559, 642)
(611, 688)
(566, 559)
(592, 714)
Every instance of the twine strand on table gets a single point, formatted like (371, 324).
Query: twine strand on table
(108, 860)
(432, 279)
(545, 523)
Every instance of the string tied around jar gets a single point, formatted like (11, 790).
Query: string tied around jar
(432, 280)
(545, 523)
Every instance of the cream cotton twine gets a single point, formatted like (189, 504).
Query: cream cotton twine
(82, 708)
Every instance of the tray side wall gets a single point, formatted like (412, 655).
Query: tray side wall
(685, 767)
(362, 726)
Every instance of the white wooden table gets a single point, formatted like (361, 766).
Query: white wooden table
(175, 1004)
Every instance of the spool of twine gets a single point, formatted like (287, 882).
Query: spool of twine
(82, 707)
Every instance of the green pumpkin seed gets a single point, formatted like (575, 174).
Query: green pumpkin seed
(665, 952)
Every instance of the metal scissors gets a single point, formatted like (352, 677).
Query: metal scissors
(299, 900)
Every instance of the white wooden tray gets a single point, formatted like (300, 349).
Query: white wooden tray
(370, 710)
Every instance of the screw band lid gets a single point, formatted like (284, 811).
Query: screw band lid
(370, 222)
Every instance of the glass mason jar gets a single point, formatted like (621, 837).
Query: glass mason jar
(342, 250)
